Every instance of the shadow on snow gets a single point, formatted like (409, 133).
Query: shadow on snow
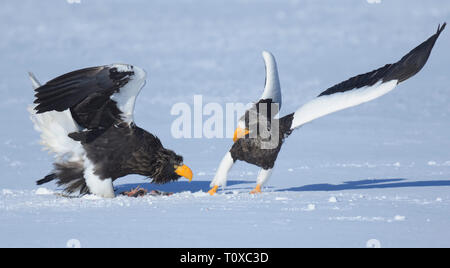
(179, 186)
(368, 184)
(196, 186)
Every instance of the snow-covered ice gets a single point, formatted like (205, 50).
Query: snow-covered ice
(43, 191)
(374, 175)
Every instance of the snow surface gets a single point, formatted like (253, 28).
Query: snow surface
(373, 175)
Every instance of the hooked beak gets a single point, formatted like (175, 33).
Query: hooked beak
(184, 171)
(239, 133)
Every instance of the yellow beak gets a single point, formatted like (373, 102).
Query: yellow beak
(184, 171)
(239, 133)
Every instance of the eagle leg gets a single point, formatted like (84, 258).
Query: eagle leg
(257, 189)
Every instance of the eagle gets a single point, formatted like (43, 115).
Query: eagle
(260, 133)
(85, 118)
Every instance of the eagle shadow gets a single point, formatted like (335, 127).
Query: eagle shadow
(195, 186)
(174, 187)
(368, 184)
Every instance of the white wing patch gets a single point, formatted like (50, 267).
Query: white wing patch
(272, 88)
(54, 128)
(126, 97)
(338, 101)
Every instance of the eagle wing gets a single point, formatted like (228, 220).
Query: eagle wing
(366, 87)
(97, 97)
(272, 88)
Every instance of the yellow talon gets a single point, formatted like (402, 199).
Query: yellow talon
(213, 190)
(257, 189)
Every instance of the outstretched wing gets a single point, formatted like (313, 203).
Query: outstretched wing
(366, 87)
(270, 97)
(97, 97)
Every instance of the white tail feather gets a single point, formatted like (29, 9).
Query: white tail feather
(328, 104)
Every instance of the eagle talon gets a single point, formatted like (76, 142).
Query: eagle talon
(213, 190)
(257, 190)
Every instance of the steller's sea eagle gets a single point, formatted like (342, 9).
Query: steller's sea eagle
(248, 141)
(85, 118)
